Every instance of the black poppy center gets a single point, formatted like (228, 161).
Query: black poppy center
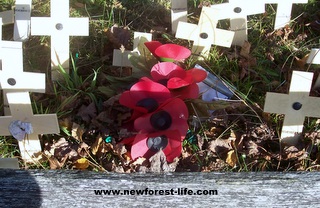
(157, 143)
(161, 120)
(148, 103)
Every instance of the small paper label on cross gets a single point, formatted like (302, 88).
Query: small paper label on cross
(179, 12)
(21, 109)
(22, 19)
(205, 33)
(295, 106)
(59, 26)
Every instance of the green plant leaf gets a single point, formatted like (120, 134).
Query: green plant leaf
(106, 91)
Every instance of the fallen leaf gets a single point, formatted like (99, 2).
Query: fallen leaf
(81, 164)
(77, 131)
(96, 145)
(220, 146)
(55, 164)
(245, 50)
(118, 36)
(87, 113)
(301, 62)
(231, 158)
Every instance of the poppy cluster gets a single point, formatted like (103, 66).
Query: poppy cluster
(159, 113)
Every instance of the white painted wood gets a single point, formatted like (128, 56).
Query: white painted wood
(59, 26)
(9, 163)
(21, 109)
(22, 24)
(7, 17)
(237, 11)
(283, 16)
(12, 76)
(314, 56)
(283, 104)
(205, 33)
(122, 58)
(179, 12)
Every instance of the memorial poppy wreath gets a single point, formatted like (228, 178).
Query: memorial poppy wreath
(159, 113)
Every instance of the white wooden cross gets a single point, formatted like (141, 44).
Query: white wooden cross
(21, 109)
(295, 106)
(7, 17)
(314, 58)
(59, 26)
(284, 8)
(179, 12)
(237, 11)
(205, 33)
(12, 76)
(122, 58)
(22, 17)
(15, 84)
(9, 163)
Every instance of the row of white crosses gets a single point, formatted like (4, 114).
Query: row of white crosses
(16, 84)
(296, 105)
(59, 26)
(206, 34)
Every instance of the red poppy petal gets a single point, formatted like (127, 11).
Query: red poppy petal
(177, 82)
(166, 70)
(144, 89)
(152, 46)
(189, 92)
(172, 150)
(197, 75)
(172, 51)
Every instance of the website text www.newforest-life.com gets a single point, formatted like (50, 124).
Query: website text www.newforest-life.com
(147, 191)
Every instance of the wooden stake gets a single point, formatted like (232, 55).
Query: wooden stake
(179, 12)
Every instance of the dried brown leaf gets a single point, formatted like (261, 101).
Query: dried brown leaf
(231, 158)
(245, 50)
(77, 132)
(301, 62)
(118, 36)
(81, 164)
(97, 145)
(87, 113)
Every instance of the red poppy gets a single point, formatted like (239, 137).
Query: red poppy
(179, 81)
(147, 144)
(172, 115)
(168, 52)
(145, 96)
